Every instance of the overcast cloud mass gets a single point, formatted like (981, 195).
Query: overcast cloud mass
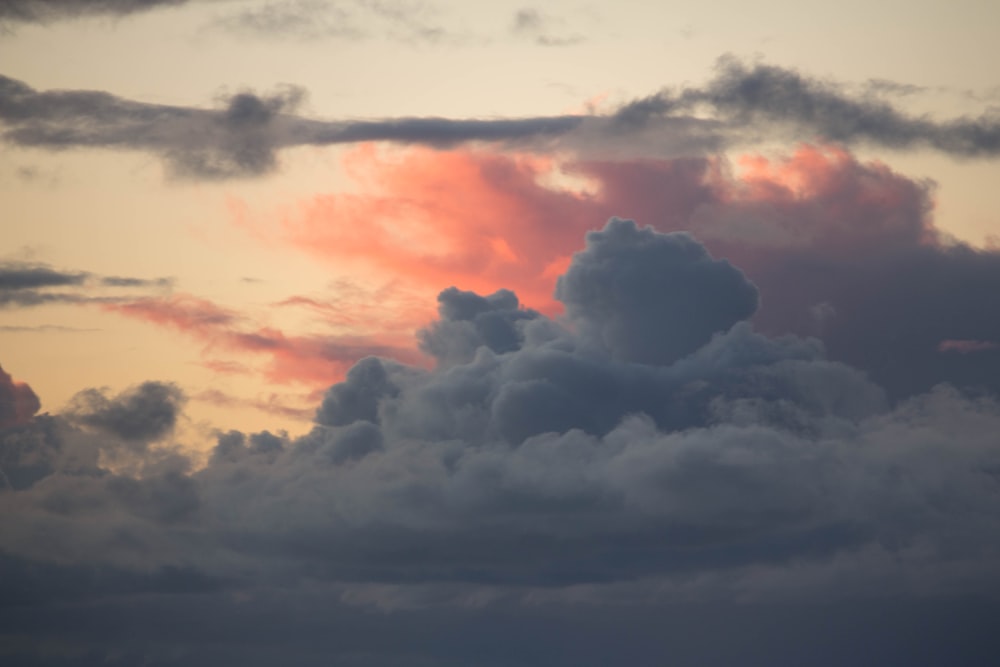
(497, 334)
(652, 454)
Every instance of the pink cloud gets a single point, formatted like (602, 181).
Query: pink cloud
(967, 346)
(18, 402)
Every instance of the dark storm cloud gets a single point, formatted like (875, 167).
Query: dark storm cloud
(541, 471)
(244, 137)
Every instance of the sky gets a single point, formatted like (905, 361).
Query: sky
(381, 332)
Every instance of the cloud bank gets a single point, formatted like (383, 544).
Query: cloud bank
(561, 471)
(243, 139)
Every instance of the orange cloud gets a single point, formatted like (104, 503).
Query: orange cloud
(474, 219)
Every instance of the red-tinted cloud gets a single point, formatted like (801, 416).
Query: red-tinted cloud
(840, 248)
(316, 360)
(18, 402)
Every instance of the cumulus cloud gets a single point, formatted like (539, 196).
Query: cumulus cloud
(839, 248)
(243, 138)
(542, 464)
(608, 292)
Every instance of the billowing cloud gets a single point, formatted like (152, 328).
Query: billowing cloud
(541, 468)
(244, 137)
(695, 295)
(840, 249)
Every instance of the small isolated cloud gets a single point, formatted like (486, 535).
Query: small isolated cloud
(543, 29)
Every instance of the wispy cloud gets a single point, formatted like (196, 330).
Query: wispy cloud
(243, 138)
(24, 285)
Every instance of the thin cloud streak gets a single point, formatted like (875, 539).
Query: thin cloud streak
(243, 139)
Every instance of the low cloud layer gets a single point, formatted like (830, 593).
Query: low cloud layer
(243, 138)
(554, 470)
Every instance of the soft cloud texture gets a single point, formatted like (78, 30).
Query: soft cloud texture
(243, 138)
(840, 249)
(540, 466)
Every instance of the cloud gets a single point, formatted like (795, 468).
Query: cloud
(540, 469)
(400, 21)
(18, 403)
(238, 140)
(776, 98)
(814, 230)
(139, 416)
(243, 138)
(695, 297)
(545, 30)
(312, 359)
(46, 11)
(25, 285)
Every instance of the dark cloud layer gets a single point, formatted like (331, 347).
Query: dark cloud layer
(243, 138)
(45, 11)
(764, 95)
(737, 496)
(239, 140)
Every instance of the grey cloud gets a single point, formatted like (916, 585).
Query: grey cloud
(45, 11)
(469, 321)
(240, 139)
(17, 277)
(400, 21)
(142, 414)
(768, 97)
(243, 139)
(545, 30)
(27, 285)
(651, 298)
(538, 473)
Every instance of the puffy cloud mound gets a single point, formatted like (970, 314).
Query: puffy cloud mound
(550, 464)
(652, 298)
